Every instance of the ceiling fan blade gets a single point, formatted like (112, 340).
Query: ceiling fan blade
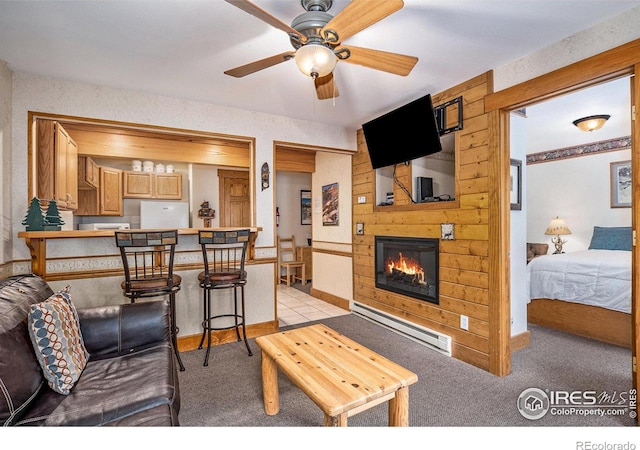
(263, 15)
(255, 66)
(359, 14)
(377, 59)
(326, 87)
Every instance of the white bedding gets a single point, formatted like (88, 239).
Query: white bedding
(592, 277)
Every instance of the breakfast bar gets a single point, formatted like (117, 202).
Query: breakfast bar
(36, 241)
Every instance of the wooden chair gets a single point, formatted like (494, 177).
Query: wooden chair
(223, 254)
(147, 258)
(287, 260)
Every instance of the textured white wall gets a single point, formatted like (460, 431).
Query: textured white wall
(518, 243)
(5, 155)
(35, 93)
(604, 36)
(39, 94)
(333, 273)
(577, 190)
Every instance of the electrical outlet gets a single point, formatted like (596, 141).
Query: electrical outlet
(362, 199)
(464, 322)
(360, 228)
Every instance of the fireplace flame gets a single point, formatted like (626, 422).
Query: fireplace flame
(407, 266)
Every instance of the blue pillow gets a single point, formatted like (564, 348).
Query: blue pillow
(611, 238)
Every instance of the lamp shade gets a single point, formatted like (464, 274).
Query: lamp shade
(557, 227)
(315, 60)
(591, 123)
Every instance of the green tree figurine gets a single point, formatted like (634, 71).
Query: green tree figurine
(34, 220)
(53, 220)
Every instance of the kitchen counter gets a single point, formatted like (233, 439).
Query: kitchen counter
(37, 242)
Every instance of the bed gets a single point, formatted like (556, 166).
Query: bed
(587, 293)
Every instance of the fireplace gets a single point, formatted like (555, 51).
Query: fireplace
(408, 266)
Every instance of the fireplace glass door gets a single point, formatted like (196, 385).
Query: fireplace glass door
(408, 266)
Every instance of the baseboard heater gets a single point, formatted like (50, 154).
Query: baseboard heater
(432, 339)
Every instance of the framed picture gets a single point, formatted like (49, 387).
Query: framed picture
(621, 184)
(305, 207)
(330, 213)
(515, 184)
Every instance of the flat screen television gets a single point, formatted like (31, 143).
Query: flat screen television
(406, 133)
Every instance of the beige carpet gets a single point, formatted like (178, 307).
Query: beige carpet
(448, 393)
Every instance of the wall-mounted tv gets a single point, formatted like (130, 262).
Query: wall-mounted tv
(406, 133)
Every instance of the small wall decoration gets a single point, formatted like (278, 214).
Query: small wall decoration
(446, 232)
(515, 184)
(330, 213)
(265, 176)
(621, 184)
(305, 207)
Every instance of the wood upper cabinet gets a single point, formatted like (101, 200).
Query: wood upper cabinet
(88, 173)
(111, 192)
(57, 165)
(107, 199)
(137, 184)
(166, 186)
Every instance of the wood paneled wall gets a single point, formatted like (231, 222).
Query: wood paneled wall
(464, 262)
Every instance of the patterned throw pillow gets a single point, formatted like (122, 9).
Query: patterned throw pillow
(55, 334)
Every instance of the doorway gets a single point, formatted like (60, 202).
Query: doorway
(609, 65)
(235, 201)
(566, 173)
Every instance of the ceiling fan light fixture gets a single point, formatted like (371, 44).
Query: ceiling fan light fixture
(591, 123)
(315, 60)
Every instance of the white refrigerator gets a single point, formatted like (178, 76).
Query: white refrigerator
(163, 214)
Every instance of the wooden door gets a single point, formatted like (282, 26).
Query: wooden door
(234, 199)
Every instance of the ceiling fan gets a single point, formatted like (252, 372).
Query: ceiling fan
(317, 38)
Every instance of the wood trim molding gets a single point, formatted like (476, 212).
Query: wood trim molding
(332, 299)
(191, 342)
(520, 341)
(332, 252)
(604, 66)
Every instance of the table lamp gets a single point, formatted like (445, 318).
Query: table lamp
(558, 227)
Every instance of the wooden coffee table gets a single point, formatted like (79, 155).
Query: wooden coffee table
(341, 376)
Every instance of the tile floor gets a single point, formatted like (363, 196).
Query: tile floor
(295, 307)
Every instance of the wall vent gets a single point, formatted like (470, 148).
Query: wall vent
(432, 339)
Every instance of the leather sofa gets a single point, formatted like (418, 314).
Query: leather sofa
(130, 378)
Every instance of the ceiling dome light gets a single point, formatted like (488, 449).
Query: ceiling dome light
(591, 123)
(315, 60)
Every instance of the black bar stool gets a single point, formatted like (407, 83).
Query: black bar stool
(147, 257)
(224, 254)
